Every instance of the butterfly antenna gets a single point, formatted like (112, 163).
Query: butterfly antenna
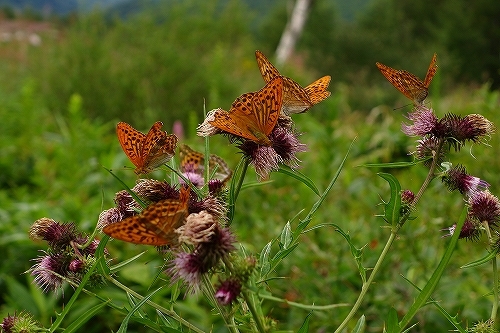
(400, 107)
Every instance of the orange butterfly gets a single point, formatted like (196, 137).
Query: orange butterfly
(194, 161)
(295, 98)
(410, 85)
(146, 152)
(252, 115)
(155, 225)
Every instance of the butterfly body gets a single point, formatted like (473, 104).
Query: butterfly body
(409, 84)
(252, 115)
(155, 225)
(146, 151)
(295, 98)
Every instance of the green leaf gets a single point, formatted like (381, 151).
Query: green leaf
(124, 325)
(393, 207)
(391, 321)
(305, 325)
(481, 261)
(120, 265)
(264, 259)
(360, 325)
(393, 164)
(286, 236)
(82, 319)
(285, 169)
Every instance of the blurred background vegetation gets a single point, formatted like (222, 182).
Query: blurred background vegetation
(68, 74)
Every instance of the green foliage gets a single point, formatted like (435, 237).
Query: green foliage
(60, 104)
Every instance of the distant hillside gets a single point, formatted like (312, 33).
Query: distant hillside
(58, 7)
(347, 9)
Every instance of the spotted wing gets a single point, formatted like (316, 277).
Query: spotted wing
(407, 83)
(431, 71)
(317, 90)
(267, 69)
(132, 142)
(155, 225)
(266, 105)
(236, 123)
(158, 148)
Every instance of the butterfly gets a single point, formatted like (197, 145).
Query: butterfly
(155, 225)
(146, 152)
(410, 85)
(252, 115)
(194, 161)
(295, 98)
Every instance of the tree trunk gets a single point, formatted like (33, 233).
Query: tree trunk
(292, 31)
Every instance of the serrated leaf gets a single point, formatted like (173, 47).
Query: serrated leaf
(285, 169)
(392, 208)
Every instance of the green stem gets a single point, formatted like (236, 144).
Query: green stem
(170, 313)
(392, 237)
(494, 308)
(368, 282)
(209, 293)
(253, 310)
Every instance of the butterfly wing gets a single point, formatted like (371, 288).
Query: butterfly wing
(234, 122)
(155, 225)
(131, 141)
(267, 69)
(431, 71)
(317, 90)
(407, 83)
(194, 161)
(158, 148)
(266, 106)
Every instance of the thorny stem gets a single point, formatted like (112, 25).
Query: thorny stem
(392, 237)
(494, 309)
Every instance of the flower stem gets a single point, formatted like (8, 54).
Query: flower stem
(430, 174)
(209, 293)
(170, 313)
(494, 267)
(368, 282)
(253, 310)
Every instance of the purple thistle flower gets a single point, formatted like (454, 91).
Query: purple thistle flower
(57, 235)
(457, 178)
(424, 122)
(228, 291)
(189, 268)
(44, 270)
(126, 204)
(471, 230)
(469, 128)
(199, 228)
(407, 197)
(485, 207)
(155, 190)
(195, 178)
(428, 148)
(76, 265)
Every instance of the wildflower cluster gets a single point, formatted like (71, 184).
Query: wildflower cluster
(69, 256)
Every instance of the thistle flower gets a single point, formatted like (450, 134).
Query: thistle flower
(228, 291)
(429, 148)
(485, 207)
(407, 197)
(155, 190)
(23, 322)
(471, 230)
(56, 234)
(457, 178)
(199, 228)
(266, 159)
(188, 268)
(424, 122)
(48, 271)
(461, 129)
